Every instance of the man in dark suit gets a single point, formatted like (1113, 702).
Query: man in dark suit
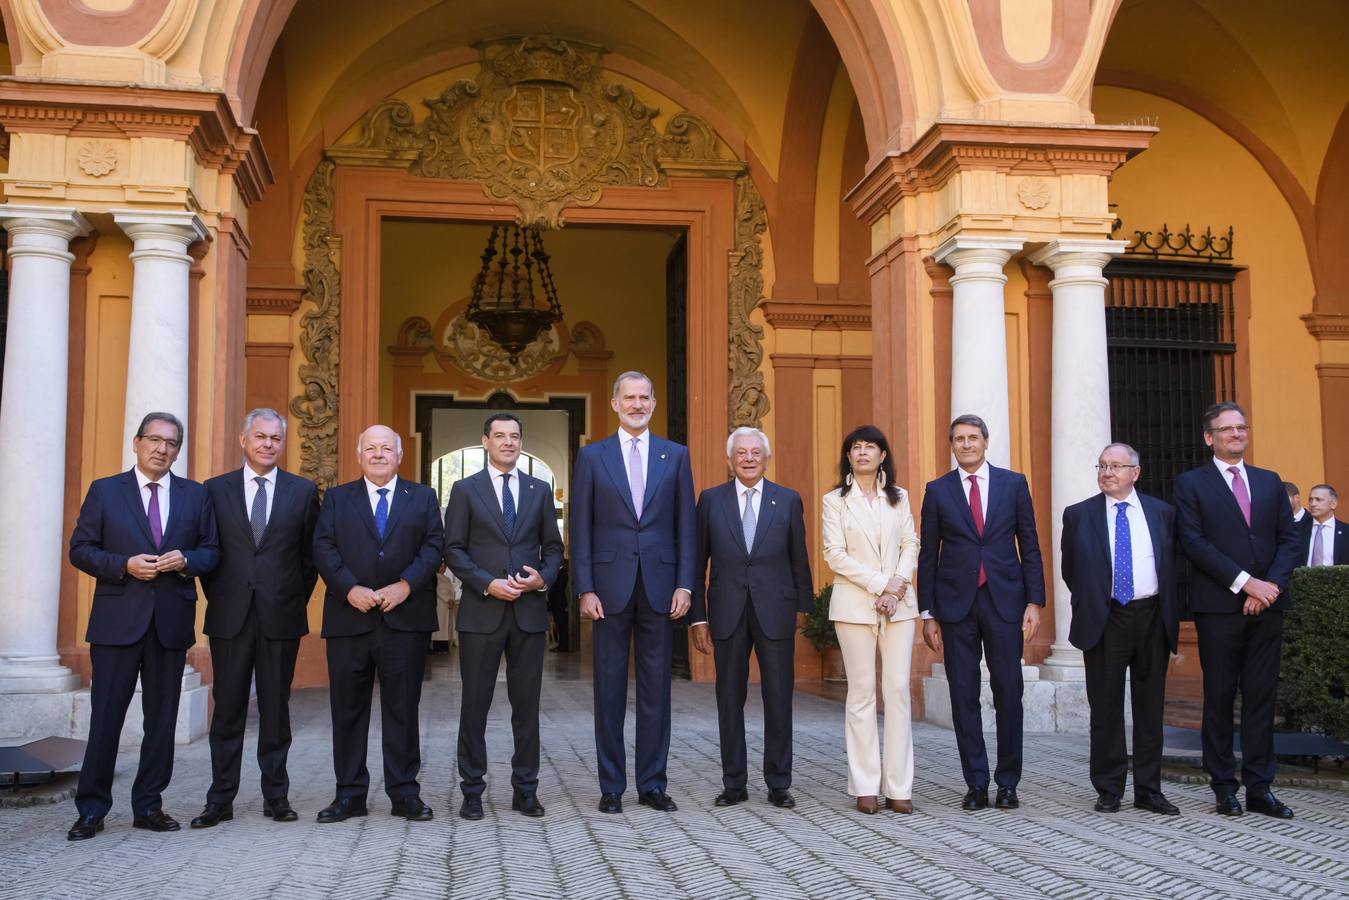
(754, 534)
(980, 589)
(377, 545)
(502, 542)
(1119, 562)
(1324, 538)
(145, 535)
(1236, 527)
(634, 534)
(256, 603)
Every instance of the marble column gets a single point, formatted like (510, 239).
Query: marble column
(979, 334)
(35, 688)
(157, 358)
(1080, 423)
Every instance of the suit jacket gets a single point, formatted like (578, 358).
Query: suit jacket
(608, 542)
(478, 551)
(112, 527)
(1088, 572)
(1215, 537)
(1341, 549)
(865, 547)
(773, 575)
(1009, 549)
(275, 577)
(348, 551)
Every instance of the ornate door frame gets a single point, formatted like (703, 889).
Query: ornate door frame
(598, 160)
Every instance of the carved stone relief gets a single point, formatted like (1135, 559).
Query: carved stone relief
(539, 127)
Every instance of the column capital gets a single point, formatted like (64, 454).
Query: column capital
(180, 226)
(1077, 252)
(64, 220)
(977, 258)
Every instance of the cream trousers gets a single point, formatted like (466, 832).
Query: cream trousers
(869, 773)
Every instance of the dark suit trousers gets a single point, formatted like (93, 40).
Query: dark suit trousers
(1239, 652)
(1133, 641)
(398, 659)
(775, 682)
(650, 635)
(235, 661)
(479, 660)
(115, 672)
(984, 633)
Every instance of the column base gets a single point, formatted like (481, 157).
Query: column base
(29, 716)
(1064, 664)
(192, 709)
(1048, 707)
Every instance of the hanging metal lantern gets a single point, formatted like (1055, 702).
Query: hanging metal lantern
(514, 298)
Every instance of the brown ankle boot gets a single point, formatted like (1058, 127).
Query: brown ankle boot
(899, 806)
(867, 805)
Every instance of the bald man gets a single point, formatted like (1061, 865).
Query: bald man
(378, 544)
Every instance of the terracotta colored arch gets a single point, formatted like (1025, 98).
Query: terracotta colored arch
(865, 35)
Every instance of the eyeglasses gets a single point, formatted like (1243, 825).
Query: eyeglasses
(1115, 468)
(156, 441)
(1229, 430)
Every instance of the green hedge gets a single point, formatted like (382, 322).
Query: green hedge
(1315, 674)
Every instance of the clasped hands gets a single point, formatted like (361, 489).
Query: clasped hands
(145, 566)
(512, 586)
(890, 597)
(1260, 596)
(386, 598)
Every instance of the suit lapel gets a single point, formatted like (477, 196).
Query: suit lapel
(1219, 485)
(131, 489)
(238, 508)
(1341, 543)
(1100, 529)
(398, 499)
(175, 506)
(767, 507)
(655, 467)
(367, 514)
(730, 506)
(1154, 526)
(857, 508)
(280, 494)
(957, 489)
(612, 454)
(482, 483)
(997, 496)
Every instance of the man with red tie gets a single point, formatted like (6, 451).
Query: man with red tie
(1236, 526)
(145, 535)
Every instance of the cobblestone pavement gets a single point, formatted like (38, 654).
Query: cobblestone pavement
(1054, 846)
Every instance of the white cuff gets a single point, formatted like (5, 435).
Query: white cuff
(1240, 582)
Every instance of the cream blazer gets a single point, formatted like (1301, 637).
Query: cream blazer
(864, 557)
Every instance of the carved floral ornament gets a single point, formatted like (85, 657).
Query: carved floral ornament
(97, 158)
(539, 127)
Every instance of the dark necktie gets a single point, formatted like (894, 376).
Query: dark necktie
(257, 516)
(977, 510)
(1122, 588)
(507, 505)
(156, 526)
(382, 511)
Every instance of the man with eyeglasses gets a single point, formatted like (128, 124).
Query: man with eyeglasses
(1119, 561)
(145, 536)
(1236, 527)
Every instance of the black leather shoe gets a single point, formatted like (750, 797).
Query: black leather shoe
(782, 799)
(1228, 805)
(1153, 801)
(1006, 799)
(213, 815)
(341, 809)
(611, 803)
(527, 805)
(471, 808)
(658, 800)
(975, 799)
(412, 808)
(279, 810)
(156, 820)
(730, 797)
(84, 828)
(1107, 802)
(1268, 805)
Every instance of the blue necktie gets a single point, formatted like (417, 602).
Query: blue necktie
(382, 512)
(1123, 587)
(507, 504)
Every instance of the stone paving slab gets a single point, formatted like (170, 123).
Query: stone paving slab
(1054, 846)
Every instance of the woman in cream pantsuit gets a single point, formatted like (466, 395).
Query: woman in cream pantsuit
(872, 547)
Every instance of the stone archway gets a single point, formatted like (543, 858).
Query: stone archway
(542, 130)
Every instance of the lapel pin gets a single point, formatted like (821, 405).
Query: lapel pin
(662, 456)
(774, 502)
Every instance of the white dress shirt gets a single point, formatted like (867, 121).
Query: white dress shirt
(1240, 464)
(497, 482)
(1297, 516)
(1140, 542)
(373, 489)
(251, 489)
(643, 449)
(756, 501)
(981, 474)
(142, 479)
(1327, 536)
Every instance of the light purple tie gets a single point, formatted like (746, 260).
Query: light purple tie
(1239, 490)
(636, 479)
(156, 527)
(1318, 549)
